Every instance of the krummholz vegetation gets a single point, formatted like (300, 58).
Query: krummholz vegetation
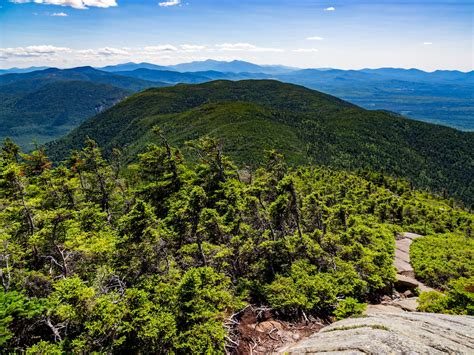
(154, 256)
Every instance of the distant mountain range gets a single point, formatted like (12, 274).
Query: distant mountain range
(21, 70)
(441, 97)
(37, 79)
(239, 66)
(235, 66)
(133, 66)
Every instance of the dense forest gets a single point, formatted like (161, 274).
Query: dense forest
(37, 115)
(307, 126)
(155, 255)
(43, 105)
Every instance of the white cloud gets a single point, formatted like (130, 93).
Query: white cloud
(427, 43)
(52, 52)
(315, 38)
(99, 54)
(77, 4)
(305, 50)
(32, 51)
(158, 53)
(100, 3)
(245, 47)
(330, 8)
(59, 14)
(169, 3)
(161, 48)
(192, 47)
(108, 51)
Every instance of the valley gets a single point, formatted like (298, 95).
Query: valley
(442, 97)
(307, 126)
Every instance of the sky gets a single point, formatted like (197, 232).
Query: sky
(346, 34)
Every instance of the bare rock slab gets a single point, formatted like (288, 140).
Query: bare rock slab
(384, 331)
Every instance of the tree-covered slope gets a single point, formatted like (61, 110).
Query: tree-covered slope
(156, 258)
(166, 76)
(34, 80)
(440, 97)
(47, 104)
(309, 126)
(53, 110)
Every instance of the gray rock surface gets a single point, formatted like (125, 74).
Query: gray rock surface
(405, 272)
(387, 330)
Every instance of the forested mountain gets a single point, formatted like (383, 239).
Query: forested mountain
(441, 97)
(307, 126)
(133, 66)
(21, 70)
(35, 80)
(420, 75)
(165, 255)
(235, 66)
(175, 77)
(44, 105)
(53, 110)
(166, 76)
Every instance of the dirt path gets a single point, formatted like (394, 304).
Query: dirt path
(405, 272)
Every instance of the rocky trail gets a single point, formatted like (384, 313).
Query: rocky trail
(392, 327)
(406, 280)
(390, 330)
(405, 272)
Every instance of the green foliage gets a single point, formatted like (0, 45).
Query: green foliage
(459, 298)
(44, 347)
(349, 307)
(305, 125)
(304, 290)
(154, 256)
(203, 298)
(16, 311)
(437, 259)
(38, 115)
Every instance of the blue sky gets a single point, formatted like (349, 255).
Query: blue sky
(429, 35)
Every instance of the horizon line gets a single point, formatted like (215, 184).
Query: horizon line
(234, 60)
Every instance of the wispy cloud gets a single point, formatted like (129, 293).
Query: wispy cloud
(427, 43)
(77, 4)
(32, 51)
(305, 50)
(192, 47)
(109, 51)
(315, 38)
(161, 48)
(100, 53)
(169, 3)
(59, 14)
(162, 52)
(245, 47)
(330, 8)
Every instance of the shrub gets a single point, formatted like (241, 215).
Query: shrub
(349, 307)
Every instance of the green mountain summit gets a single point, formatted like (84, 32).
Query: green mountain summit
(305, 125)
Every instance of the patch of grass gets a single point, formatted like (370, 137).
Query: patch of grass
(349, 327)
